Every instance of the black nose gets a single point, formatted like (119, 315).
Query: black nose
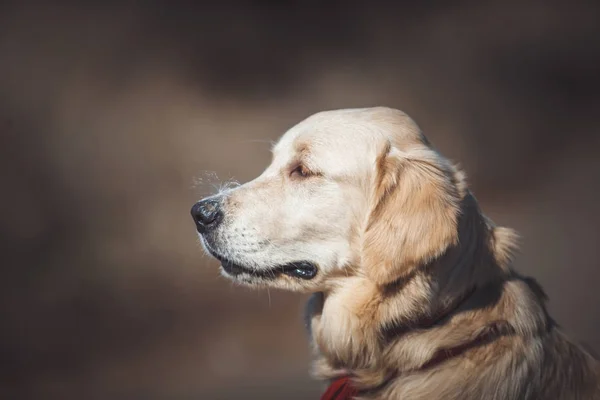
(207, 214)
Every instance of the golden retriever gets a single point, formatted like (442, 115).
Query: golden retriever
(414, 293)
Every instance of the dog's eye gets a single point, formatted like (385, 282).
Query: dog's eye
(300, 172)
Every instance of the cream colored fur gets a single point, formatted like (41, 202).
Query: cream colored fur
(415, 297)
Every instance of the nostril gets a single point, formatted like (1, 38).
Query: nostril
(206, 213)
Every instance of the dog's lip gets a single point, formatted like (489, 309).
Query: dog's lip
(234, 269)
(299, 269)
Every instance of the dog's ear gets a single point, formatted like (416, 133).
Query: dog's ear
(414, 212)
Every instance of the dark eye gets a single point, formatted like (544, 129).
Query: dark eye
(300, 172)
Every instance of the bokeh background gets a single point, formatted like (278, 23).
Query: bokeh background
(116, 116)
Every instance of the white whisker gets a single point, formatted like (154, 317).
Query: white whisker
(269, 295)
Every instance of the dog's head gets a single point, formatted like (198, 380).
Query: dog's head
(348, 192)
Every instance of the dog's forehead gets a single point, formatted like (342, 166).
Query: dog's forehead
(330, 136)
(349, 131)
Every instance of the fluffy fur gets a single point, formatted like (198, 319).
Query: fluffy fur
(415, 296)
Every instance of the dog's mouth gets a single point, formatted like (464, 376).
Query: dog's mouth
(298, 269)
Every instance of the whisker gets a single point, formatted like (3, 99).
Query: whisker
(270, 142)
(269, 295)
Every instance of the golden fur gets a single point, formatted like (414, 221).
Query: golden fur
(427, 305)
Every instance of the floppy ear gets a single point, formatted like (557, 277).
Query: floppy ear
(414, 213)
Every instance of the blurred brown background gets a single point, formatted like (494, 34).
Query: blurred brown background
(112, 117)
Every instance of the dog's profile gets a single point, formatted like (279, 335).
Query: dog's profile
(414, 293)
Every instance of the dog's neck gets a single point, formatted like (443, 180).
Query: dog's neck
(352, 323)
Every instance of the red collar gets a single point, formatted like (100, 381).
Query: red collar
(340, 389)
